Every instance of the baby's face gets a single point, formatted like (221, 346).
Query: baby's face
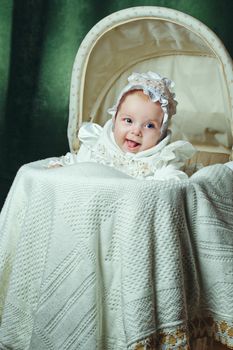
(137, 123)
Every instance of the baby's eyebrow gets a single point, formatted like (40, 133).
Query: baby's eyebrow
(151, 121)
(126, 115)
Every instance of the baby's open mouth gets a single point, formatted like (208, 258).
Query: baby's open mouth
(132, 144)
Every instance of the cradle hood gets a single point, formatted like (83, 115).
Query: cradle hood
(168, 42)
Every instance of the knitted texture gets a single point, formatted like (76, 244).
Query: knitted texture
(93, 259)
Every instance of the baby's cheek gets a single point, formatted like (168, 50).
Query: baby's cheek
(117, 136)
(152, 139)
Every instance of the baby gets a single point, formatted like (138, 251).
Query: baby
(136, 140)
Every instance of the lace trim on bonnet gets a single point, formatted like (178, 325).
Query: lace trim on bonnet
(157, 88)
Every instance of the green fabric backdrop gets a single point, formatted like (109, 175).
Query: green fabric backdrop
(38, 42)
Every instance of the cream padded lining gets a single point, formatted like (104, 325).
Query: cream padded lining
(137, 41)
(201, 159)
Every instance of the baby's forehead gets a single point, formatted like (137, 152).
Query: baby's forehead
(136, 93)
(135, 98)
(139, 96)
(140, 109)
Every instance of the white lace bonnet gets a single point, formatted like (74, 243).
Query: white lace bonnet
(157, 88)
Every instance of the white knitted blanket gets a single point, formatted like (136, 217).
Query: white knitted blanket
(93, 259)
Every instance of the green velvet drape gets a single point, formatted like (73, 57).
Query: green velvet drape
(38, 43)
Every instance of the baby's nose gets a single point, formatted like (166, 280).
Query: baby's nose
(136, 129)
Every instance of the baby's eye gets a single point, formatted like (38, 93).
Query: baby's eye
(150, 126)
(128, 120)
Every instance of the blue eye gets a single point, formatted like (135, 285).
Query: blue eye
(150, 126)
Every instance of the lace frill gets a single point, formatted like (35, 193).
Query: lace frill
(139, 168)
